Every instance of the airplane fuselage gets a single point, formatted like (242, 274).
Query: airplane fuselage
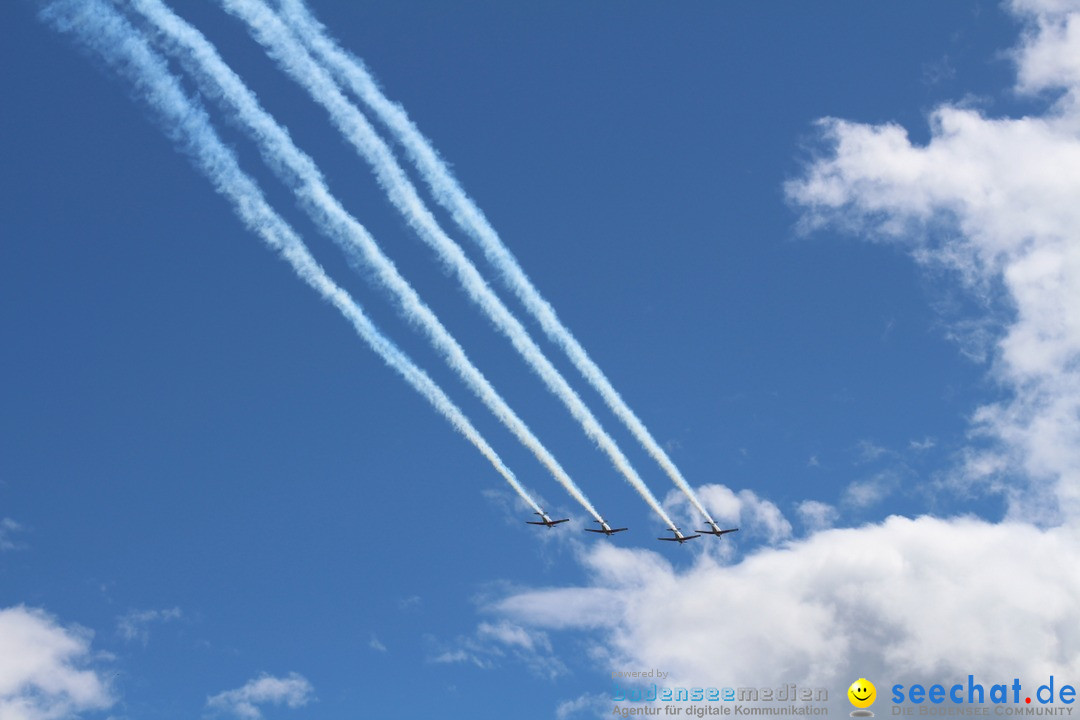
(679, 537)
(604, 528)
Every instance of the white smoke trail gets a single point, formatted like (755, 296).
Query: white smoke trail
(290, 54)
(298, 171)
(101, 30)
(351, 73)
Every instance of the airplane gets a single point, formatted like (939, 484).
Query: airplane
(605, 528)
(545, 520)
(679, 537)
(716, 529)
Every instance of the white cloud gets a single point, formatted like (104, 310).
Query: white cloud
(292, 691)
(816, 515)
(413, 602)
(593, 704)
(510, 635)
(915, 599)
(926, 443)
(9, 527)
(135, 625)
(870, 491)
(44, 668)
(376, 644)
(996, 201)
(494, 643)
(450, 657)
(1049, 56)
(870, 451)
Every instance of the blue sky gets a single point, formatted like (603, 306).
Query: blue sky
(207, 478)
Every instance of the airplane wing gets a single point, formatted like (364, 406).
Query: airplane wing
(718, 533)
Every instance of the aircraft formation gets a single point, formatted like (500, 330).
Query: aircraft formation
(165, 59)
(606, 529)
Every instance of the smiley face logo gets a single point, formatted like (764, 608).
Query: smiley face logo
(862, 693)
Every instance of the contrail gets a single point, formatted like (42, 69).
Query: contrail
(300, 173)
(290, 54)
(101, 30)
(351, 73)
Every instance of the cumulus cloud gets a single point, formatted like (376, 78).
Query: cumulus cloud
(907, 600)
(135, 625)
(994, 200)
(816, 515)
(1049, 55)
(45, 668)
(292, 691)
